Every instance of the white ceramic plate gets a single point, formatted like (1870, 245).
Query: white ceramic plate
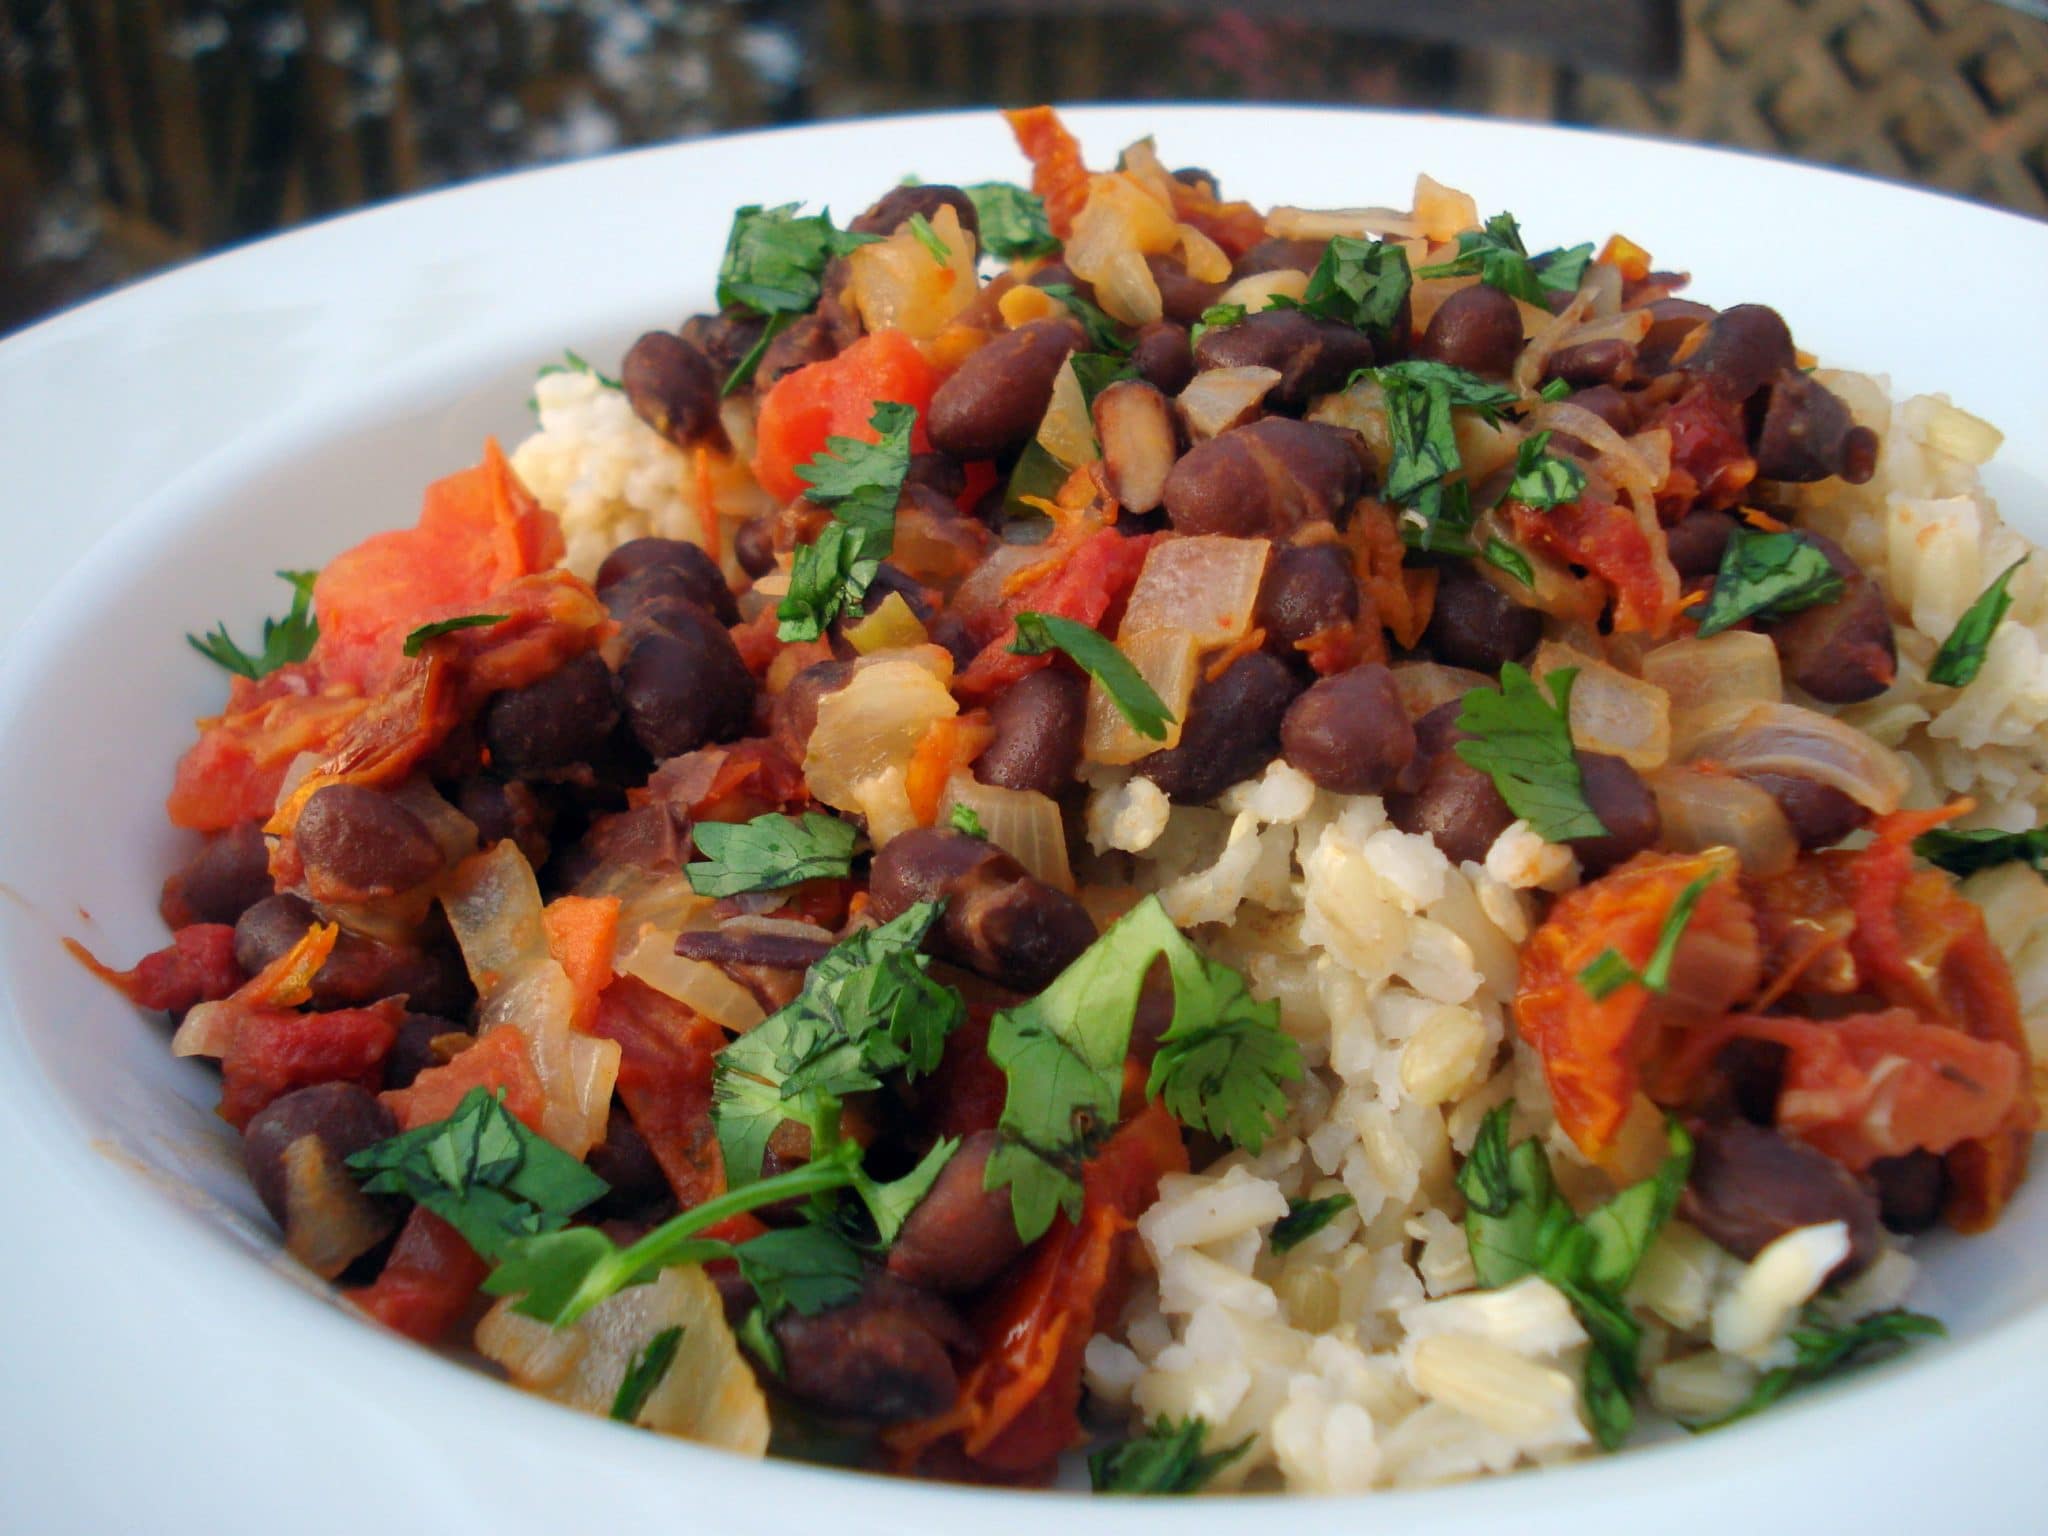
(163, 1372)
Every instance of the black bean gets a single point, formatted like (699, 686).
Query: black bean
(725, 338)
(1626, 808)
(673, 387)
(695, 574)
(1910, 1190)
(1841, 652)
(1312, 356)
(221, 881)
(1744, 349)
(1350, 732)
(795, 711)
(1307, 589)
(361, 970)
(357, 843)
(1181, 297)
(502, 809)
(742, 946)
(1266, 479)
(999, 921)
(882, 1358)
(1457, 805)
(1610, 405)
(1671, 322)
(626, 1163)
(961, 1235)
(1697, 541)
(562, 719)
(1231, 732)
(996, 398)
(1592, 363)
(754, 545)
(808, 339)
(1750, 1186)
(1807, 433)
(1475, 624)
(1140, 441)
(1162, 356)
(413, 1052)
(1038, 723)
(682, 683)
(894, 208)
(1478, 329)
(1820, 814)
(1275, 254)
(344, 1117)
(1196, 176)
(939, 472)
(891, 580)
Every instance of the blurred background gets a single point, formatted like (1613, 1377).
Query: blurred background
(138, 133)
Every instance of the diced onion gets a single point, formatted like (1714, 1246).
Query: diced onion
(1207, 585)
(696, 984)
(1428, 685)
(892, 626)
(207, 1029)
(1117, 228)
(1361, 406)
(1631, 325)
(883, 800)
(1218, 399)
(1441, 212)
(1066, 432)
(1257, 291)
(1328, 223)
(1702, 676)
(708, 1393)
(896, 283)
(1612, 712)
(1483, 446)
(1170, 661)
(871, 725)
(495, 909)
(1715, 810)
(1784, 738)
(1528, 370)
(1022, 822)
(1954, 431)
(1204, 259)
(1555, 590)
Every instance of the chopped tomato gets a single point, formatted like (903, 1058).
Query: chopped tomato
(271, 1053)
(1606, 539)
(666, 1053)
(498, 1061)
(837, 398)
(1058, 174)
(233, 772)
(197, 966)
(730, 783)
(1085, 584)
(479, 530)
(428, 1282)
(1016, 1412)
(1710, 462)
(582, 932)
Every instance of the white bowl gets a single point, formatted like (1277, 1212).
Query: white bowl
(167, 1371)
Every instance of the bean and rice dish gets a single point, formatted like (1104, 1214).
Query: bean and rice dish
(1300, 850)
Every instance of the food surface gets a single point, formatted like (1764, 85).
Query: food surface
(1300, 849)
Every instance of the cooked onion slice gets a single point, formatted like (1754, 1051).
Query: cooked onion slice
(872, 725)
(1612, 712)
(1715, 810)
(1022, 822)
(1784, 738)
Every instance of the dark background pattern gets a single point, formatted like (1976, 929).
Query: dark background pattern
(138, 133)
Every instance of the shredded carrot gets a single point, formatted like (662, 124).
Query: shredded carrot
(1757, 517)
(582, 933)
(948, 744)
(1252, 640)
(707, 506)
(1625, 255)
(1692, 599)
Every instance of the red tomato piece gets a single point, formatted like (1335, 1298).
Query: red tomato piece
(197, 966)
(273, 1053)
(666, 1053)
(428, 1282)
(1710, 462)
(1605, 538)
(1086, 583)
(498, 1061)
(837, 398)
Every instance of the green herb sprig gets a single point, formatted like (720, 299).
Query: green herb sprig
(859, 482)
(1134, 698)
(286, 640)
(769, 853)
(1962, 654)
(1524, 741)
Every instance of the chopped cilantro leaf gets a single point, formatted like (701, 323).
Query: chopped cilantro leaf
(1562, 271)
(1460, 386)
(483, 1172)
(1212, 317)
(1556, 389)
(1500, 260)
(644, 1374)
(1013, 222)
(964, 818)
(1096, 371)
(1824, 1348)
(1610, 971)
(1361, 283)
(1103, 335)
(417, 640)
(743, 371)
(1606, 974)
(1221, 1063)
(1768, 575)
(573, 363)
(921, 227)
(805, 1269)
(1525, 742)
(285, 640)
(769, 852)
(859, 482)
(1503, 556)
(774, 259)
(1961, 656)
(1423, 449)
(1133, 697)
(1542, 479)
(1305, 1218)
(1167, 1458)
(1963, 853)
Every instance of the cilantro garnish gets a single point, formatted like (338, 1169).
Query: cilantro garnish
(1214, 316)
(1361, 283)
(1102, 332)
(1220, 1063)
(417, 640)
(1556, 389)
(1963, 853)
(1542, 479)
(1096, 371)
(285, 640)
(1013, 222)
(964, 818)
(1824, 1348)
(1610, 971)
(1524, 741)
(1961, 656)
(743, 371)
(769, 852)
(644, 1374)
(867, 1009)
(1423, 448)
(574, 363)
(1768, 575)
(1167, 1458)
(921, 227)
(1503, 556)
(1305, 1218)
(1500, 260)
(482, 1172)
(859, 482)
(774, 259)
(1133, 697)
(1518, 1224)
